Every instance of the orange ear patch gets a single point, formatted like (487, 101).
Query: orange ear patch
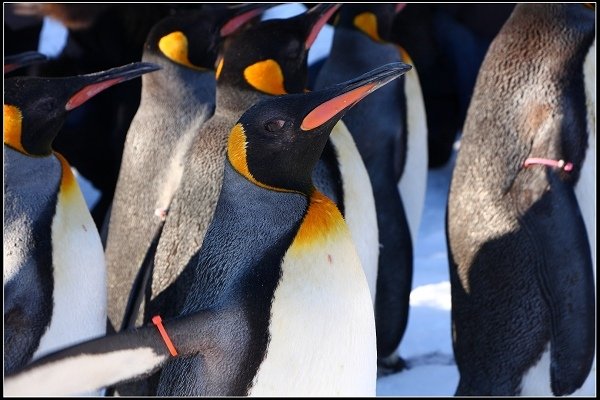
(13, 120)
(175, 47)
(367, 22)
(265, 76)
(236, 151)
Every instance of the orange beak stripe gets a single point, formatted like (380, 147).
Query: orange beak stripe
(236, 22)
(314, 32)
(324, 112)
(90, 91)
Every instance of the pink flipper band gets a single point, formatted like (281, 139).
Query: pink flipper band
(566, 166)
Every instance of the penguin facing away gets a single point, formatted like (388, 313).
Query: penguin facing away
(54, 269)
(284, 308)
(175, 102)
(266, 59)
(100, 36)
(390, 132)
(521, 268)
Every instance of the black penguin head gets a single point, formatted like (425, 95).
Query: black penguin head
(24, 59)
(36, 108)
(373, 19)
(277, 142)
(272, 56)
(194, 39)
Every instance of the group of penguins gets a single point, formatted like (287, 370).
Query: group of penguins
(260, 237)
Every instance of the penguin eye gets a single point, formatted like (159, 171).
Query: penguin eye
(274, 125)
(45, 106)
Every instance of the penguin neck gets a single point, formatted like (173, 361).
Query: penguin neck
(192, 88)
(322, 220)
(232, 98)
(258, 220)
(366, 49)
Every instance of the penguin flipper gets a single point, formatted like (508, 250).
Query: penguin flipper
(115, 359)
(567, 282)
(140, 283)
(394, 278)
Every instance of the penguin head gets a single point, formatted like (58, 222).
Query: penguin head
(24, 59)
(36, 108)
(373, 19)
(194, 39)
(271, 57)
(278, 141)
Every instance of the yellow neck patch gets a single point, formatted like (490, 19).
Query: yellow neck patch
(265, 76)
(68, 183)
(175, 47)
(405, 56)
(322, 220)
(367, 22)
(13, 123)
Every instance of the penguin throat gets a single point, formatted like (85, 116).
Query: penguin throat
(68, 182)
(266, 76)
(174, 46)
(404, 55)
(13, 123)
(367, 23)
(321, 221)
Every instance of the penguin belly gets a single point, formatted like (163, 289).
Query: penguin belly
(413, 183)
(321, 303)
(79, 297)
(359, 203)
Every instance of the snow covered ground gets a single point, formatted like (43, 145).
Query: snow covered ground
(427, 344)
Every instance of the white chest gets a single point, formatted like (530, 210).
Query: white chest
(413, 183)
(79, 296)
(322, 324)
(359, 204)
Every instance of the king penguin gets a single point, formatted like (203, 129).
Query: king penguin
(284, 308)
(390, 131)
(175, 102)
(521, 266)
(54, 269)
(266, 59)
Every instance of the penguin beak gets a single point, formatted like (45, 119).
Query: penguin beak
(399, 7)
(22, 59)
(243, 14)
(333, 102)
(317, 17)
(93, 84)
